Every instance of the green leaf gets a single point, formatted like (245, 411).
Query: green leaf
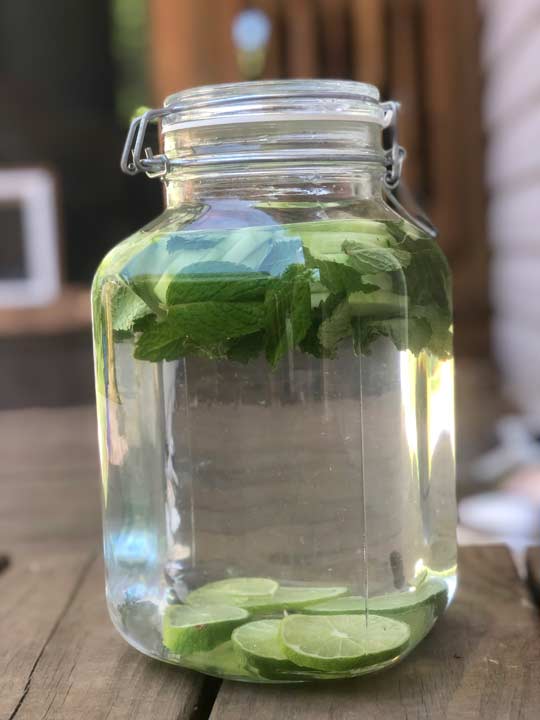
(202, 325)
(288, 312)
(335, 327)
(246, 348)
(220, 287)
(126, 308)
(370, 260)
(337, 275)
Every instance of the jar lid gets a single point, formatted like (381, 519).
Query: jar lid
(273, 101)
(264, 101)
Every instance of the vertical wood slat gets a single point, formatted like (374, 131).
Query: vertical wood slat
(333, 15)
(404, 83)
(301, 38)
(368, 41)
(454, 135)
(187, 49)
(441, 98)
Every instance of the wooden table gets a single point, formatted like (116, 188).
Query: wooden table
(60, 658)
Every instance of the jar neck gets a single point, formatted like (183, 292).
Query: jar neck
(316, 161)
(279, 184)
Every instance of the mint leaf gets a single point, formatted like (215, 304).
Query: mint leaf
(126, 308)
(335, 327)
(288, 312)
(371, 260)
(337, 275)
(223, 286)
(202, 325)
(247, 347)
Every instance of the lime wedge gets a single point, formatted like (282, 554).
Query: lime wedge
(342, 642)
(257, 643)
(193, 629)
(232, 591)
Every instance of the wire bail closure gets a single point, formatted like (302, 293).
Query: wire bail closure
(136, 158)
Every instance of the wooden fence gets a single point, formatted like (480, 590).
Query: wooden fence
(421, 52)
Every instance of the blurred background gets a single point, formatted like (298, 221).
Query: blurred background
(71, 77)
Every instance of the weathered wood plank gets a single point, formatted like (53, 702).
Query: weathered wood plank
(87, 671)
(533, 571)
(49, 475)
(482, 661)
(35, 590)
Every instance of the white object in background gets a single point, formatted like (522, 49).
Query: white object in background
(31, 193)
(516, 447)
(501, 514)
(251, 30)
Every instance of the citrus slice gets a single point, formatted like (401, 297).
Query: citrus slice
(232, 591)
(342, 642)
(432, 592)
(258, 645)
(194, 629)
(292, 598)
(352, 604)
(222, 661)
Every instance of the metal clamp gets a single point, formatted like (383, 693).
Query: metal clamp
(132, 161)
(395, 155)
(136, 158)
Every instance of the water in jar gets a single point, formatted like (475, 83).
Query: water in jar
(276, 418)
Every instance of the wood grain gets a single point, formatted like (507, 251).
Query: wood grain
(405, 84)
(191, 44)
(49, 475)
(70, 311)
(334, 32)
(35, 591)
(87, 671)
(369, 41)
(301, 38)
(533, 572)
(481, 662)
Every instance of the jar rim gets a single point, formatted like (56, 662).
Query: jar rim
(273, 100)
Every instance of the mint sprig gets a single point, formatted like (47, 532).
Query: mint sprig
(309, 286)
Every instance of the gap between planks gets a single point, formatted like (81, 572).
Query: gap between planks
(84, 669)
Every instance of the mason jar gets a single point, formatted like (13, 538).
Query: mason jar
(274, 384)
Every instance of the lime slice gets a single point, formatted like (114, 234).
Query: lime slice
(431, 592)
(232, 591)
(342, 642)
(352, 604)
(193, 629)
(293, 598)
(222, 661)
(257, 643)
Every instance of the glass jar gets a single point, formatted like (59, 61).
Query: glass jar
(274, 383)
